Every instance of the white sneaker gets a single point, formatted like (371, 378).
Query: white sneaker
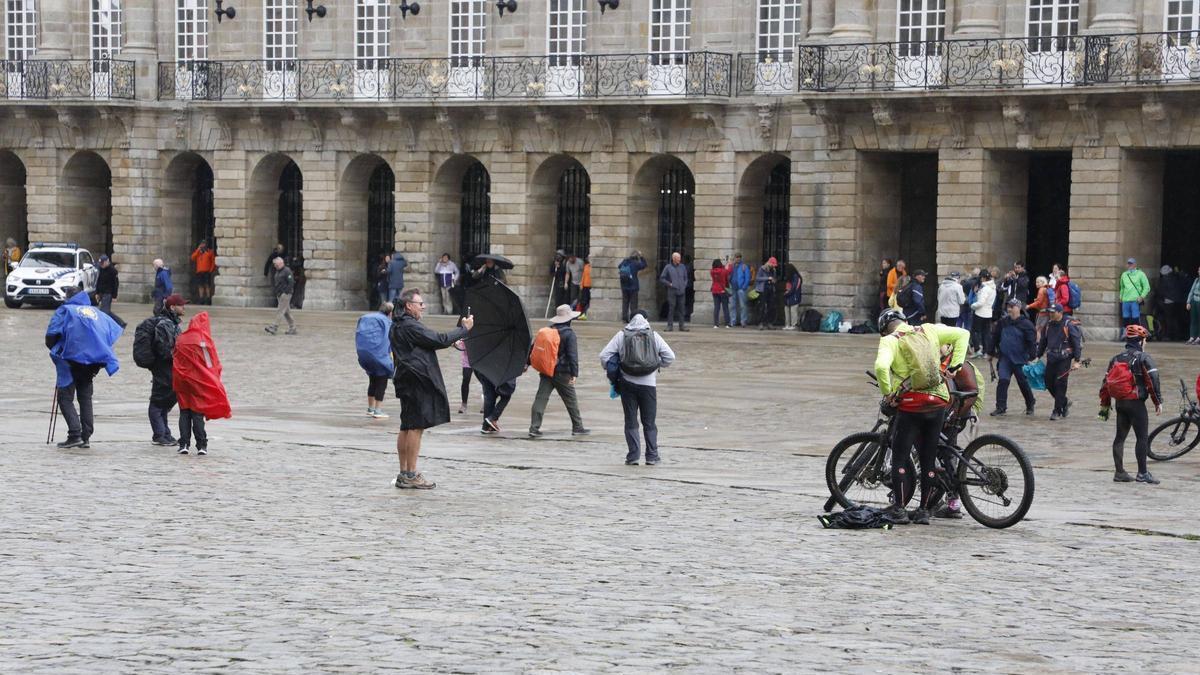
(380, 415)
(370, 412)
(183, 451)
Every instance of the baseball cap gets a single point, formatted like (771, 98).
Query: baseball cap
(174, 300)
(1013, 302)
(919, 273)
(1055, 307)
(103, 258)
(956, 274)
(1131, 261)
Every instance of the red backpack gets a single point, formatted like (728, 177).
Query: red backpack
(1120, 381)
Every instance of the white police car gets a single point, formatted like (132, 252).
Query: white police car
(45, 273)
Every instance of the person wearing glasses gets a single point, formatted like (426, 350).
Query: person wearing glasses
(419, 384)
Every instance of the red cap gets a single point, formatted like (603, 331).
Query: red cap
(174, 300)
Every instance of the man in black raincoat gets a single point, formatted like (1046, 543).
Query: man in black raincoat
(419, 385)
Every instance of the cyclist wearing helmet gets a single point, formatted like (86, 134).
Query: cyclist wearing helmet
(1128, 394)
(904, 357)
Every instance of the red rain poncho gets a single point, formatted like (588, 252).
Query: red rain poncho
(197, 371)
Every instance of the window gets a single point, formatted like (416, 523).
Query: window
(1183, 19)
(468, 31)
(280, 21)
(191, 30)
(1050, 19)
(21, 21)
(106, 29)
(371, 33)
(566, 33)
(670, 30)
(920, 22)
(778, 29)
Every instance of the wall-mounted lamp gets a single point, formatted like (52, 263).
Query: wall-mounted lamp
(510, 5)
(225, 12)
(406, 7)
(319, 10)
(609, 4)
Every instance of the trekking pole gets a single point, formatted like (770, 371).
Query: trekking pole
(550, 300)
(53, 417)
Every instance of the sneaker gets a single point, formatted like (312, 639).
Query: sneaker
(670, 329)
(1029, 410)
(183, 450)
(85, 444)
(1066, 410)
(631, 462)
(653, 462)
(291, 331)
(72, 443)
(462, 410)
(416, 482)
(999, 412)
(163, 441)
(201, 451)
(715, 326)
(1146, 477)
(370, 412)
(683, 329)
(1122, 477)
(491, 424)
(271, 329)
(534, 433)
(1054, 416)
(919, 517)
(944, 511)
(379, 415)
(896, 514)
(580, 432)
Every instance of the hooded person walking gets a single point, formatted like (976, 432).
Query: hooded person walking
(640, 353)
(197, 376)
(374, 350)
(419, 384)
(80, 339)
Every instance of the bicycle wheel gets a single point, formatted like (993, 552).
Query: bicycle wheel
(859, 471)
(1178, 436)
(995, 482)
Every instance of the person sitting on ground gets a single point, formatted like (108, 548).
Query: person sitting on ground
(1130, 379)
(640, 353)
(1014, 343)
(374, 350)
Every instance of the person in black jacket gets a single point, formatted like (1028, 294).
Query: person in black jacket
(1131, 413)
(107, 287)
(1062, 345)
(278, 252)
(419, 384)
(162, 389)
(566, 369)
(1014, 344)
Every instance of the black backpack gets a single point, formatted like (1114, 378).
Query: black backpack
(905, 297)
(639, 353)
(143, 343)
(810, 321)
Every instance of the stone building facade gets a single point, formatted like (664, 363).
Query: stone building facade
(828, 133)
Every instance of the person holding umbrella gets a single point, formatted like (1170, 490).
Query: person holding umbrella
(419, 384)
(492, 268)
(498, 348)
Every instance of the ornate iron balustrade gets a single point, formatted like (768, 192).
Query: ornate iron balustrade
(50, 79)
(1135, 58)
(691, 74)
(768, 73)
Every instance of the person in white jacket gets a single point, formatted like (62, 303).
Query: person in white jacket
(981, 325)
(639, 393)
(950, 299)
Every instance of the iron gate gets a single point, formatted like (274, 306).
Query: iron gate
(676, 212)
(381, 218)
(776, 219)
(476, 220)
(574, 212)
(203, 219)
(291, 211)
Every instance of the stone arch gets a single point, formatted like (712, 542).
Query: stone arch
(757, 207)
(13, 204)
(447, 205)
(186, 214)
(661, 198)
(263, 219)
(366, 226)
(559, 207)
(85, 203)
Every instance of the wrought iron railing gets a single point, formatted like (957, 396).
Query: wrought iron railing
(46, 79)
(1136, 58)
(691, 74)
(770, 73)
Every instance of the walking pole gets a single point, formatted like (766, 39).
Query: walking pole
(550, 300)
(53, 417)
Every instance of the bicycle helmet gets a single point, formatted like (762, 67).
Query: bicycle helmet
(1135, 332)
(886, 317)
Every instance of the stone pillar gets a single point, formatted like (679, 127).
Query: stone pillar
(240, 283)
(1100, 241)
(852, 21)
(141, 45)
(41, 192)
(610, 240)
(509, 235)
(825, 244)
(715, 223)
(978, 18)
(322, 289)
(54, 33)
(962, 227)
(138, 235)
(820, 19)
(414, 214)
(1114, 16)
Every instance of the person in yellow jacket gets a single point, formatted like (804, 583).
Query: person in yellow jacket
(921, 405)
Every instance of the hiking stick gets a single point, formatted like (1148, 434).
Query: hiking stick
(550, 300)
(53, 417)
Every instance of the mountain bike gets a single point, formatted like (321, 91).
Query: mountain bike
(992, 475)
(1177, 436)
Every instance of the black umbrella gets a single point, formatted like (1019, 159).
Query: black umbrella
(498, 345)
(501, 262)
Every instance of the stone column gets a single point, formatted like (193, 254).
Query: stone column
(141, 45)
(322, 289)
(1099, 242)
(1114, 16)
(609, 236)
(820, 19)
(54, 33)
(852, 21)
(978, 18)
(715, 222)
(825, 233)
(240, 283)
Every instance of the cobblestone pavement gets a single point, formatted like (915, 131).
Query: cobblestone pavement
(286, 550)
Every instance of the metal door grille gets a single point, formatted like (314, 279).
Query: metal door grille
(381, 217)
(676, 213)
(777, 214)
(476, 221)
(574, 212)
(291, 210)
(203, 218)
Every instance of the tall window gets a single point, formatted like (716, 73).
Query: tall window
(670, 30)
(1183, 19)
(21, 21)
(920, 23)
(1050, 19)
(191, 30)
(566, 31)
(468, 31)
(371, 29)
(280, 22)
(106, 29)
(778, 29)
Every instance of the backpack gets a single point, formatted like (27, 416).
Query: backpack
(544, 357)
(639, 352)
(832, 322)
(1119, 381)
(625, 271)
(905, 297)
(861, 328)
(1074, 295)
(810, 321)
(143, 343)
(921, 351)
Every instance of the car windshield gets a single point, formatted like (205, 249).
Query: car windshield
(48, 259)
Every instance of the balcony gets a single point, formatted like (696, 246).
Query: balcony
(692, 74)
(1042, 62)
(766, 73)
(107, 79)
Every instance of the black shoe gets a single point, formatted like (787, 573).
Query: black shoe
(1029, 410)
(1145, 477)
(670, 329)
(534, 433)
(183, 450)
(653, 462)
(896, 514)
(1065, 410)
(85, 444)
(1054, 416)
(72, 443)
(1122, 477)
(948, 513)
(631, 462)
(580, 432)
(918, 517)
(999, 412)
(164, 441)
(491, 425)
(201, 451)
(684, 329)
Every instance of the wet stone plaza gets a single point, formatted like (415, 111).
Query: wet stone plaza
(287, 549)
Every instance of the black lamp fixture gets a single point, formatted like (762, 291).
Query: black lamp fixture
(510, 5)
(406, 7)
(225, 12)
(319, 10)
(609, 4)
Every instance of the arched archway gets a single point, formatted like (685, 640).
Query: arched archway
(663, 210)
(462, 208)
(85, 203)
(764, 213)
(187, 215)
(367, 227)
(274, 202)
(559, 203)
(14, 223)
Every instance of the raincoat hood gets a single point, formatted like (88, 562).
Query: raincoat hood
(373, 346)
(197, 371)
(638, 322)
(87, 336)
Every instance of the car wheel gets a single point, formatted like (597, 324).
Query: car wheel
(12, 304)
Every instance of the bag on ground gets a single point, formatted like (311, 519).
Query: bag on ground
(831, 322)
(1036, 375)
(1120, 381)
(859, 517)
(544, 357)
(921, 350)
(810, 321)
(639, 353)
(143, 343)
(860, 329)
